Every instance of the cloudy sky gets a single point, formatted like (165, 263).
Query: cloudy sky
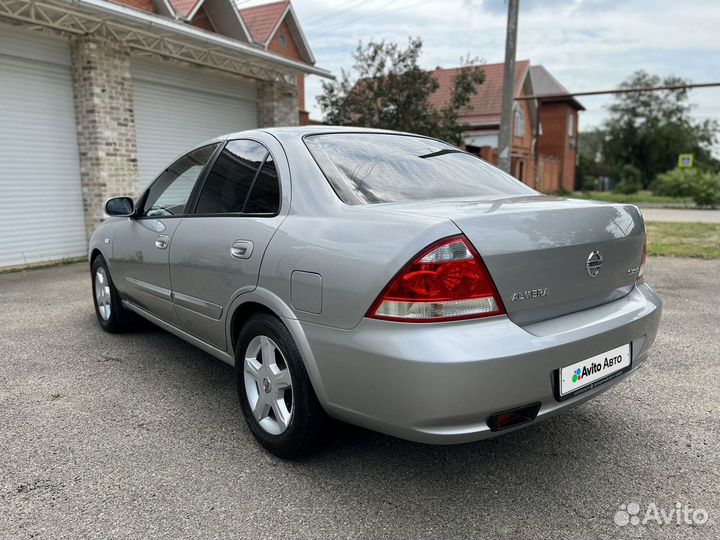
(586, 44)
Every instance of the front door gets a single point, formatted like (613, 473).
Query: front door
(216, 253)
(141, 249)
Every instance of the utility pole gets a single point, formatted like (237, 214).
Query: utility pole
(508, 95)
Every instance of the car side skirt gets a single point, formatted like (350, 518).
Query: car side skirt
(209, 349)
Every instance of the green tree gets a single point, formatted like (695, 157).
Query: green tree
(388, 90)
(591, 159)
(649, 129)
(630, 180)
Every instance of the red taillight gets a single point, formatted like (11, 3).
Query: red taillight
(447, 281)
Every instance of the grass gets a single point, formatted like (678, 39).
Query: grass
(641, 197)
(699, 240)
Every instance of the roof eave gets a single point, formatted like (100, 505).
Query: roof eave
(574, 103)
(194, 10)
(245, 33)
(181, 29)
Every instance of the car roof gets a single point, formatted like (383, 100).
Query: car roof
(301, 131)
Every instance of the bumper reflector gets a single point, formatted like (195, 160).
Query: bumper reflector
(513, 417)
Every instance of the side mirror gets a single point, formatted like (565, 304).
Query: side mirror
(120, 206)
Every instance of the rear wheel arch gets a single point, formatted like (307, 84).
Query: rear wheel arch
(242, 314)
(94, 255)
(264, 301)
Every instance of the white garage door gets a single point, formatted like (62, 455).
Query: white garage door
(177, 108)
(41, 211)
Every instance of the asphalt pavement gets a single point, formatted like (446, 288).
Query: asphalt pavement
(140, 435)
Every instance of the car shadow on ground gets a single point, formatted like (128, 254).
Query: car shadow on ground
(547, 439)
(572, 469)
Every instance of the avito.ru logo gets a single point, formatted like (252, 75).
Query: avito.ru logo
(629, 514)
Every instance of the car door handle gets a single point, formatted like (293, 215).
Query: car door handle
(241, 249)
(161, 242)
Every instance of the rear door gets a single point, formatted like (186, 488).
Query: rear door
(216, 252)
(141, 247)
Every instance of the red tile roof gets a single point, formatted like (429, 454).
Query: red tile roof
(184, 7)
(260, 20)
(485, 105)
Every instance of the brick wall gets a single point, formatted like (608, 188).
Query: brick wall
(548, 174)
(105, 117)
(201, 20)
(284, 44)
(555, 140)
(288, 48)
(105, 123)
(522, 162)
(277, 104)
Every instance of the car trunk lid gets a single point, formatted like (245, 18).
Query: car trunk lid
(548, 256)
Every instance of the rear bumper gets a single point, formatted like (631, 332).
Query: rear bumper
(439, 383)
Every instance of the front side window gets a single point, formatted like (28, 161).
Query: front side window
(370, 168)
(242, 181)
(169, 194)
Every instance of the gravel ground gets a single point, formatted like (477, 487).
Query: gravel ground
(688, 215)
(140, 435)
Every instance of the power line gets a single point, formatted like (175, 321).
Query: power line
(380, 11)
(337, 10)
(545, 97)
(352, 19)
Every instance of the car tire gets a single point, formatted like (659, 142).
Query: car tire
(111, 314)
(288, 421)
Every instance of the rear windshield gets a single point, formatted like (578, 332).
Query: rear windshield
(370, 168)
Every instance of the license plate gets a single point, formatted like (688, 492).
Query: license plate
(591, 370)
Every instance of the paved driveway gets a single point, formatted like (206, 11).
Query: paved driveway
(140, 435)
(681, 215)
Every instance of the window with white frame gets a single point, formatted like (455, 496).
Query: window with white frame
(519, 121)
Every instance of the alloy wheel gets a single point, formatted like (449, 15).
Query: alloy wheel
(268, 385)
(103, 298)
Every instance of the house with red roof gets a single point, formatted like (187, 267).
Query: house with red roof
(99, 96)
(544, 131)
(275, 26)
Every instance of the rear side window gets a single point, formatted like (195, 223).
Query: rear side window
(238, 182)
(370, 168)
(265, 193)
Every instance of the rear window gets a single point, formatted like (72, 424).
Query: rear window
(371, 168)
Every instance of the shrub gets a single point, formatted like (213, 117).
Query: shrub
(630, 180)
(676, 183)
(589, 183)
(702, 187)
(706, 190)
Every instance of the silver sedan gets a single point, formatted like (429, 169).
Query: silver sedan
(379, 278)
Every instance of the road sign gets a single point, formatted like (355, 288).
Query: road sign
(685, 161)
